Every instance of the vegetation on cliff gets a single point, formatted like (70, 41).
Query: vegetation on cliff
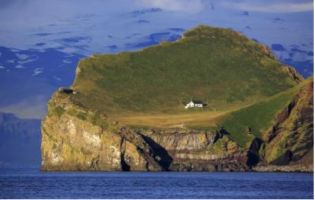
(252, 121)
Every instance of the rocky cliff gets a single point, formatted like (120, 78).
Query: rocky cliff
(260, 119)
(72, 143)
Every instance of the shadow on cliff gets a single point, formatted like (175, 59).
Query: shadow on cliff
(161, 155)
(253, 157)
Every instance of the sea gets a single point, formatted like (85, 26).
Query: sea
(32, 183)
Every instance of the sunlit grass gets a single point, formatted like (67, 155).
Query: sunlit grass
(218, 66)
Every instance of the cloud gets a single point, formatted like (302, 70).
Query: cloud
(143, 21)
(271, 6)
(26, 61)
(154, 39)
(113, 47)
(277, 47)
(10, 61)
(21, 56)
(67, 61)
(145, 11)
(245, 13)
(42, 34)
(190, 6)
(277, 20)
(37, 71)
(19, 67)
(177, 29)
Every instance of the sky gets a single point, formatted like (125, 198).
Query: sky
(41, 41)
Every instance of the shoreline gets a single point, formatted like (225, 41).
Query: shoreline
(258, 169)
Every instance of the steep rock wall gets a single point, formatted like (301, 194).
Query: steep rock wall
(71, 143)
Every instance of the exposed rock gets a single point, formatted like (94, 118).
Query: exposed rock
(293, 73)
(282, 168)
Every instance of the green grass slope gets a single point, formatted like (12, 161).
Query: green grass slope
(218, 66)
(247, 123)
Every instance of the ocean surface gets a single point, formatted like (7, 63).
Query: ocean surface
(31, 183)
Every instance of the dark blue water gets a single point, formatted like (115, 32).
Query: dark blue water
(33, 184)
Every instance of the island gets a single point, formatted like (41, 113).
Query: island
(214, 100)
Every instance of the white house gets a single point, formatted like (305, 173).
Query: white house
(194, 104)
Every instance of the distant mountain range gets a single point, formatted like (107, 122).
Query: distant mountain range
(19, 141)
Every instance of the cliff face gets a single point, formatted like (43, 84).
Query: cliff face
(70, 143)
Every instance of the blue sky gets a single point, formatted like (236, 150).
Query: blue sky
(41, 41)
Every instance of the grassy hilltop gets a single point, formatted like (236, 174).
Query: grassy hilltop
(221, 67)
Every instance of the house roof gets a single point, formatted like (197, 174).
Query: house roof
(197, 101)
